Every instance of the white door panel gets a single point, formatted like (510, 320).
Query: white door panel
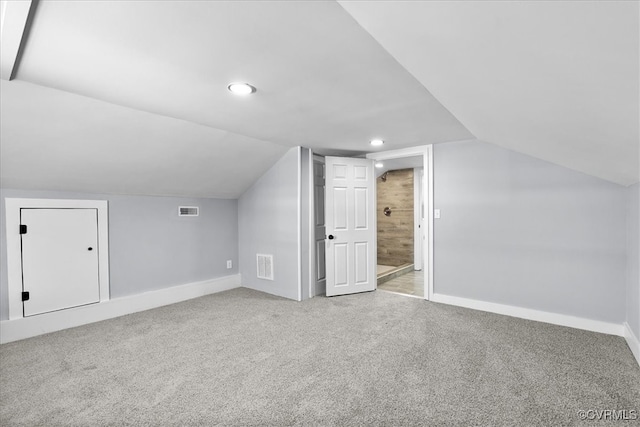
(350, 226)
(341, 269)
(362, 263)
(320, 257)
(59, 259)
(339, 208)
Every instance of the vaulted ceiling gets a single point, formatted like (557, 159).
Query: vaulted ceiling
(557, 80)
(131, 97)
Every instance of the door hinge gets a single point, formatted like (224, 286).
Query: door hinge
(23, 229)
(25, 296)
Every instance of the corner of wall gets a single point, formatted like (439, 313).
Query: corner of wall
(632, 309)
(268, 223)
(632, 341)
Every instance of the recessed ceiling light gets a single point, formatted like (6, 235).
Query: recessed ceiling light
(241, 88)
(376, 142)
(379, 164)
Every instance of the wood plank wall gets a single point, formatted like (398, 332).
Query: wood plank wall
(395, 232)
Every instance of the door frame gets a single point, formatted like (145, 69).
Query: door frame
(313, 289)
(426, 151)
(14, 248)
(418, 217)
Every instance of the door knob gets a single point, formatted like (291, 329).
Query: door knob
(90, 249)
(331, 237)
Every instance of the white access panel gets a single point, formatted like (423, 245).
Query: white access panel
(350, 226)
(59, 259)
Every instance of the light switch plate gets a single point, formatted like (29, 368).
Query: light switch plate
(229, 264)
(436, 213)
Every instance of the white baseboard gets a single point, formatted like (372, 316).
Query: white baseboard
(17, 329)
(529, 314)
(632, 341)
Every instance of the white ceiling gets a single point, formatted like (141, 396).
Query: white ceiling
(55, 140)
(322, 81)
(557, 80)
(130, 97)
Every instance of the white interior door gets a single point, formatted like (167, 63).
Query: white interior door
(59, 258)
(320, 230)
(350, 225)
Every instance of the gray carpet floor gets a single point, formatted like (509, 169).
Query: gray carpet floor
(244, 358)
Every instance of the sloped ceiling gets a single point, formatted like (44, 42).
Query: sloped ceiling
(130, 97)
(55, 140)
(557, 80)
(323, 82)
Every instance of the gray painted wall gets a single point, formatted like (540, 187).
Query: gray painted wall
(633, 259)
(150, 247)
(523, 232)
(268, 224)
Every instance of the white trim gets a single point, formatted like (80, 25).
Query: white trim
(419, 150)
(299, 223)
(529, 314)
(374, 219)
(15, 16)
(17, 329)
(14, 264)
(312, 227)
(314, 274)
(428, 170)
(418, 218)
(632, 341)
(426, 151)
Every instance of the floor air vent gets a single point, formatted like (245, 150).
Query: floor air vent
(188, 211)
(265, 266)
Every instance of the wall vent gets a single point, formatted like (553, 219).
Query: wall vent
(188, 211)
(265, 266)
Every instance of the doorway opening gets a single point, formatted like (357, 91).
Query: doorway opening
(420, 268)
(404, 244)
(400, 213)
